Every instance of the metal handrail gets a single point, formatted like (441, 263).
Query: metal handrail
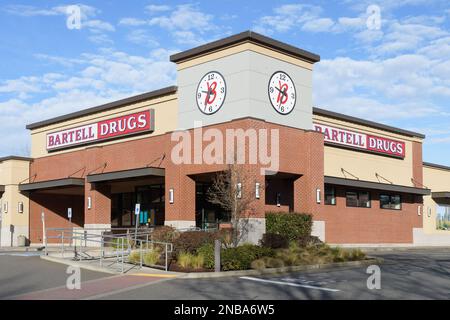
(73, 235)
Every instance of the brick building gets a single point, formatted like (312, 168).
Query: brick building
(363, 182)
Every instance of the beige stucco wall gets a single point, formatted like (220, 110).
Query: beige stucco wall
(166, 113)
(365, 165)
(210, 56)
(12, 172)
(438, 180)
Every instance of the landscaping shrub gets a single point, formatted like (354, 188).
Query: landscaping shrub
(134, 257)
(198, 261)
(207, 251)
(291, 225)
(306, 241)
(273, 262)
(190, 241)
(274, 241)
(164, 234)
(152, 257)
(189, 260)
(258, 264)
(241, 258)
(184, 259)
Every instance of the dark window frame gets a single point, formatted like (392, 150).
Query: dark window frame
(390, 201)
(334, 195)
(358, 192)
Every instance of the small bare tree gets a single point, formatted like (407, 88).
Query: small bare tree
(234, 191)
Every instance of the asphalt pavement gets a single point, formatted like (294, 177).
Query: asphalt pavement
(410, 274)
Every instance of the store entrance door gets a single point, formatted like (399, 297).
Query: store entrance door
(208, 216)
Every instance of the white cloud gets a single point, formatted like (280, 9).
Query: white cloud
(134, 22)
(185, 23)
(157, 8)
(88, 22)
(406, 86)
(318, 25)
(287, 17)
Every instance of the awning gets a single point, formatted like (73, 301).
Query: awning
(2, 188)
(441, 195)
(52, 184)
(126, 174)
(376, 186)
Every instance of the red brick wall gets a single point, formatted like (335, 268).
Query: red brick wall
(301, 153)
(370, 225)
(54, 207)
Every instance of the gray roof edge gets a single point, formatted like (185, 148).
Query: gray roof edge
(376, 185)
(104, 107)
(124, 174)
(15, 158)
(441, 194)
(51, 184)
(246, 36)
(434, 165)
(340, 116)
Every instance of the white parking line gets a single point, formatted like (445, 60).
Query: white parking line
(289, 284)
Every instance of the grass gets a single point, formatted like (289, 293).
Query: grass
(188, 260)
(316, 254)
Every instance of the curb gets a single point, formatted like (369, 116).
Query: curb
(78, 264)
(403, 249)
(199, 275)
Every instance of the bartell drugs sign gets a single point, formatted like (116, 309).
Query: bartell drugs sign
(358, 140)
(130, 124)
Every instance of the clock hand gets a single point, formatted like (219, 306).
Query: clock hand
(282, 92)
(206, 99)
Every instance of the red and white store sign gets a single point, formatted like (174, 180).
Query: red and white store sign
(362, 141)
(103, 130)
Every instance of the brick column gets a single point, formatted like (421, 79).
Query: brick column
(100, 213)
(180, 213)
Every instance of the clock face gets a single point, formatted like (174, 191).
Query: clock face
(211, 92)
(282, 94)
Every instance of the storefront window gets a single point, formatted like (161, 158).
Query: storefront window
(360, 199)
(330, 195)
(393, 202)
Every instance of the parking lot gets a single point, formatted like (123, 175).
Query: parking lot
(410, 274)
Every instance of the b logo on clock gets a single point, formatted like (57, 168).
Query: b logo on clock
(211, 92)
(282, 94)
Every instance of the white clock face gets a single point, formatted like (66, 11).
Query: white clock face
(211, 92)
(282, 92)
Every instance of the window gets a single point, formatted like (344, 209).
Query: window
(359, 199)
(330, 195)
(393, 202)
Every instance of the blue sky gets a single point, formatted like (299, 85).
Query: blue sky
(398, 74)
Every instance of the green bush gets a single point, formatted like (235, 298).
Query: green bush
(241, 258)
(207, 251)
(291, 225)
(274, 241)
